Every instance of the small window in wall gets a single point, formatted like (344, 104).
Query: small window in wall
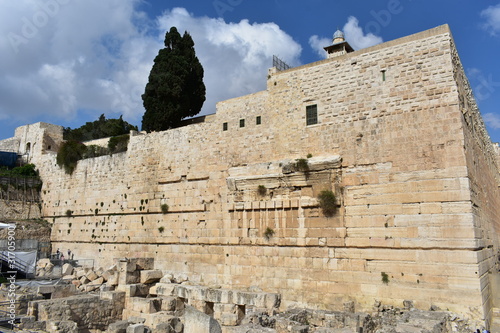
(311, 114)
(258, 120)
(242, 122)
(383, 74)
(224, 126)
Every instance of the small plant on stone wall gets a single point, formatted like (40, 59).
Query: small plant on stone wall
(161, 229)
(268, 233)
(327, 202)
(164, 208)
(309, 155)
(385, 277)
(301, 164)
(262, 190)
(69, 213)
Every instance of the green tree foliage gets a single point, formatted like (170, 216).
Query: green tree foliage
(101, 128)
(175, 89)
(27, 170)
(69, 154)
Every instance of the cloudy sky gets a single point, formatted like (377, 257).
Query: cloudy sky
(68, 61)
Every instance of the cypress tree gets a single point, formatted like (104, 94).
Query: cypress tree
(175, 89)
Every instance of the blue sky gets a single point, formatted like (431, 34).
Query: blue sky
(68, 61)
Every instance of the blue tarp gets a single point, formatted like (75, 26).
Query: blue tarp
(8, 159)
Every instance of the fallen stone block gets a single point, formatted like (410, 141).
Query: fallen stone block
(136, 328)
(168, 303)
(151, 276)
(42, 263)
(88, 288)
(67, 269)
(49, 268)
(76, 283)
(169, 324)
(97, 282)
(46, 289)
(134, 290)
(68, 278)
(165, 289)
(196, 322)
(79, 272)
(118, 327)
(145, 305)
(84, 280)
(91, 275)
(167, 278)
(63, 291)
(136, 320)
(112, 279)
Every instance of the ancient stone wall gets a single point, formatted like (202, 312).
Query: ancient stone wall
(484, 178)
(87, 311)
(389, 142)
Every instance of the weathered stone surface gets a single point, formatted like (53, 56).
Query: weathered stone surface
(151, 276)
(42, 263)
(67, 269)
(118, 327)
(63, 291)
(196, 322)
(135, 328)
(145, 305)
(96, 282)
(99, 311)
(91, 275)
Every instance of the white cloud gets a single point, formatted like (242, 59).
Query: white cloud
(492, 19)
(235, 56)
(95, 56)
(317, 43)
(492, 120)
(355, 36)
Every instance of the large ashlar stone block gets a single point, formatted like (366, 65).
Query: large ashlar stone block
(165, 289)
(196, 322)
(145, 305)
(67, 269)
(131, 290)
(151, 276)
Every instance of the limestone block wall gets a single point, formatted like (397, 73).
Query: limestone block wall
(412, 219)
(484, 178)
(88, 311)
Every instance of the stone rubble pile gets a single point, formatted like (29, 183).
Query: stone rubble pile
(135, 298)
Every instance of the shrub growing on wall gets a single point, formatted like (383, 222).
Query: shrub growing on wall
(69, 154)
(327, 202)
(118, 144)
